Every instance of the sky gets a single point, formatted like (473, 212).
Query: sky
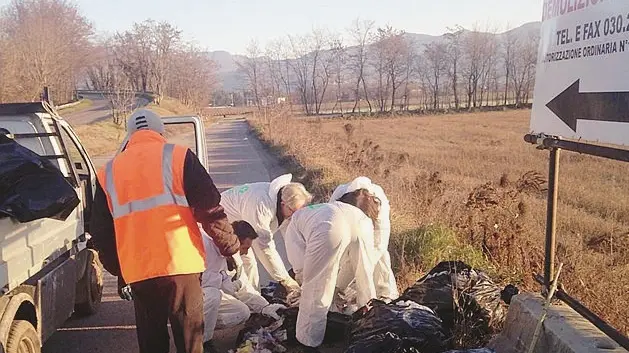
(230, 24)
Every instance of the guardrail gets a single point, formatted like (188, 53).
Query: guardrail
(78, 92)
(555, 145)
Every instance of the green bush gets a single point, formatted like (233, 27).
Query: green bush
(421, 249)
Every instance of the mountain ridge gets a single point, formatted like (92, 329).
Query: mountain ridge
(231, 79)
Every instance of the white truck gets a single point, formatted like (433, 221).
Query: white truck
(48, 271)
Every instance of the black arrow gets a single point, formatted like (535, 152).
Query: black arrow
(572, 105)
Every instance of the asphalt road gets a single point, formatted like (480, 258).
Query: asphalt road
(100, 110)
(234, 158)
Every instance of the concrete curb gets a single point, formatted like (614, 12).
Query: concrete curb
(68, 105)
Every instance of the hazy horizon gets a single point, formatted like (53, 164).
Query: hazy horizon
(231, 24)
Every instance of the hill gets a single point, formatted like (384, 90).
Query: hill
(232, 80)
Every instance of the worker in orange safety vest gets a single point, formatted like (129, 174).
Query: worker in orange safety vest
(147, 203)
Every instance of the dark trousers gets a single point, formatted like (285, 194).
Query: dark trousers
(177, 299)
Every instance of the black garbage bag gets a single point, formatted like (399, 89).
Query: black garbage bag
(31, 187)
(478, 350)
(467, 300)
(387, 342)
(274, 293)
(337, 330)
(404, 327)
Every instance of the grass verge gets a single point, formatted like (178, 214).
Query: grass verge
(82, 105)
(473, 176)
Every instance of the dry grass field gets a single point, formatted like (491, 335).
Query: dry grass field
(467, 186)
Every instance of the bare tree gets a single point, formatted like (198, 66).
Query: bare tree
(301, 68)
(45, 43)
(194, 77)
(100, 72)
(435, 57)
(455, 53)
(321, 50)
(391, 57)
(361, 33)
(277, 52)
(379, 62)
(479, 51)
(509, 45)
(167, 39)
(251, 66)
(121, 98)
(338, 53)
(523, 68)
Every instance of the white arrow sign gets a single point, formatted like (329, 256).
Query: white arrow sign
(582, 82)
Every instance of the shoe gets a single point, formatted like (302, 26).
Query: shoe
(208, 347)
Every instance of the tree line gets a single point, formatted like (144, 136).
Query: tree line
(50, 43)
(382, 69)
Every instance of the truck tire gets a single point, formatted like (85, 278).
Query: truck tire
(23, 338)
(92, 284)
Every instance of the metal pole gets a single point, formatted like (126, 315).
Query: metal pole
(46, 95)
(551, 216)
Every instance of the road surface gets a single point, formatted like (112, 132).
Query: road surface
(235, 158)
(100, 110)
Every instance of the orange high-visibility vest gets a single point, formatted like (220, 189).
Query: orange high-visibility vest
(156, 232)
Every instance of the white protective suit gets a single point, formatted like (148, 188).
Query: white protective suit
(328, 246)
(256, 203)
(224, 305)
(384, 278)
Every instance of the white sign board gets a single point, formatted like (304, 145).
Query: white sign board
(582, 82)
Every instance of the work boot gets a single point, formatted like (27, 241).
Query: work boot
(208, 347)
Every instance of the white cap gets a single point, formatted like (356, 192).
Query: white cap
(144, 119)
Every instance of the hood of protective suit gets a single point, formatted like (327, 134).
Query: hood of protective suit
(277, 184)
(360, 183)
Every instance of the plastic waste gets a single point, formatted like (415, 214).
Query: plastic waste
(262, 335)
(274, 293)
(478, 350)
(465, 299)
(403, 327)
(31, 187)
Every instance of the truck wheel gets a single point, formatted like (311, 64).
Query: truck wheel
(23, 338)
(92, 284)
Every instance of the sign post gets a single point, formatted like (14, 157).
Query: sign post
(581, 97)
(582, 73)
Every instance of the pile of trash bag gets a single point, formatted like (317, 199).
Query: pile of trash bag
(31, 187)
(465, 299)
(452, 306)
(403, 327)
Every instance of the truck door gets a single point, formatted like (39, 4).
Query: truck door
(186, 131)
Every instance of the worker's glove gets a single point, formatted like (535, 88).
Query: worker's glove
(271, 310)
(233, 266)
(290, 285)
(124, 290)
(292, 298)
(230, 286)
